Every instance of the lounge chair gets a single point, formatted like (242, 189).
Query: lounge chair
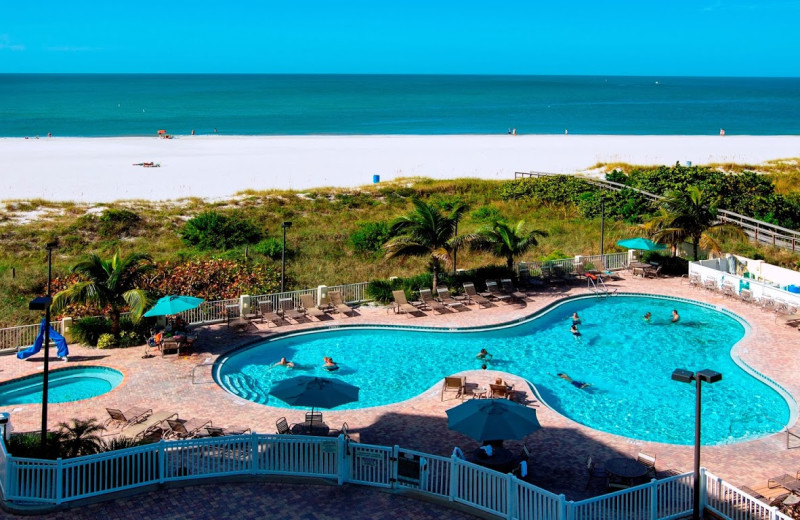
(130, 416)
(401, 304)
(455, 384)
(472, 294)
(283, 426)
(653, 273)
(219, 431)
(447, 299)
(500, 391)
(269, 315)
(593, 471)
(186, 429)
(170, 344)
(142, 429)
(494, 290)
(726, 289)
(338, 304)
(710, 284)
(746, 295)
(509, 289)
(289, 311)
(427, 298)
(307, 301)
(649, 461)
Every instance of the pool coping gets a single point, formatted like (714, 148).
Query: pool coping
(733, 352)
(50, 372)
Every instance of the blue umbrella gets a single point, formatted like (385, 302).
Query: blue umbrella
(643, 244)
(493, 419)
(316, 392)
(169, 305)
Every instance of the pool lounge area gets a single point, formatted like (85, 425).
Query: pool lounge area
(559, 450)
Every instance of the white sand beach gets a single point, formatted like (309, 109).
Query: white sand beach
(102, 169)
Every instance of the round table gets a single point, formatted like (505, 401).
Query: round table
(318, 429)
(626, 468)
(502, 459)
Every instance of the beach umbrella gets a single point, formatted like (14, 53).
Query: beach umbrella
(492, 419)
(316, 392)
(644, 244)
(169, 305)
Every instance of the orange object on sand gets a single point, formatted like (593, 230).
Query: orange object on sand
(162, 132)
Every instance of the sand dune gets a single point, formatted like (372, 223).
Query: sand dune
(102, 170)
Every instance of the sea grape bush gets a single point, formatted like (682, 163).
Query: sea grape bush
(369, 237)
(213, 279)
(213, 230)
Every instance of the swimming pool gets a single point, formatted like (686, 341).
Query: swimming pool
(65, 385)
(627, 361)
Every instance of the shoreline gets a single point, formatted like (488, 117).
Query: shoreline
(101, 169)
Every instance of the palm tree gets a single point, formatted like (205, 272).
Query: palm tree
(80, 437)
(108, 283)
(504, 240)
(691, 215)
(426, 231)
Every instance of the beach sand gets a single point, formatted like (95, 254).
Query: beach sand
(102, 169)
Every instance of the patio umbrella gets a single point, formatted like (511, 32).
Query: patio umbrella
(644, 244)
(492, 419)
(169, 305)
(316, 392)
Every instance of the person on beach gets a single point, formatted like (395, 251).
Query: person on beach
(284, 363)
(575, 318)
(675, 316)
(647, 316)
(721, 131)
(574, 330)
(576, 384)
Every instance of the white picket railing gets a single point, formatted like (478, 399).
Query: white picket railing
(53, 482)
(23, 335)
(611, 261)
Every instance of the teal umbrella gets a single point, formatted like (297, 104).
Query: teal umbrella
(169, 305)
(316, 392)
(492, 419)
(644, 244)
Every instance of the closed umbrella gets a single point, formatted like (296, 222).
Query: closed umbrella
(169, 305)
(493, 419)
(316, 392)
(644, 244)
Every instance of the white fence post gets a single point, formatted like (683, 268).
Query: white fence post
(453, 478)
(322, 293)
(393, 461)
(59, 482)
(512, 511)
(703, 490)
(162, 462)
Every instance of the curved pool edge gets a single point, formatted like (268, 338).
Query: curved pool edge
(50, 372)
(791, 402)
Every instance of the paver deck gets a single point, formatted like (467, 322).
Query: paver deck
(559, 450)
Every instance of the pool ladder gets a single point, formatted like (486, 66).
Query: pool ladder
(598, 287)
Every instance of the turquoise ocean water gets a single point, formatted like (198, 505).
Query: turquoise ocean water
(140, 104)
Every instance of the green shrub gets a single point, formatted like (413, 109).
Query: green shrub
(486, 214)
(115, 222)
(28, 445)
(107, 340)
(270, 247)
(556, 254)
(88, 330)
(213, 230)
(369, 237)
(129, 339)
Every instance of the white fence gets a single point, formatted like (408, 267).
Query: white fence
(764, 292)
(54, 482)
(612, 261)
(215, 311)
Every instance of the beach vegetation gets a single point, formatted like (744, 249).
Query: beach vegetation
(215, 230)
(427, 232)
(270, 247)
(369, 237)
(504, 240)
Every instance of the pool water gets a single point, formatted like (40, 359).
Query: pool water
(627, 361)
(65, 385)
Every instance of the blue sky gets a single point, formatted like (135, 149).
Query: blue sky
(642, 37)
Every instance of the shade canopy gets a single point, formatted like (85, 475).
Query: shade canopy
(644, 244)
(493, 419)
(317, 392)
(169, 305)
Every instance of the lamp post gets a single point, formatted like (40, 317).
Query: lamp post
(686, 376)
(285, 225)
(455, 247)
(602, 225)
(39, 304)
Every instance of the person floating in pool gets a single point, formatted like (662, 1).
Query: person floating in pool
(647, 316)
(575, 318)
(574, 330)
(576, 384)
(284, 363)
(329, 364)
(483, 355)
(675, 316)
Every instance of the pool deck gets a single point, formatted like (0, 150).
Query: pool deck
(559, 450)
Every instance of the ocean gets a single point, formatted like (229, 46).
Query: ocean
(104, 105)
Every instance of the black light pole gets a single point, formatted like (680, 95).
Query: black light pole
(38, 304)
(455, 248)
(686, 376)
(283, 256)
(602, 225)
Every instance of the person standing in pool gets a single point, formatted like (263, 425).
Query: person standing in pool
(483, 355)
(675, 316)
(329, 364)
(575, 318)
(284, 363)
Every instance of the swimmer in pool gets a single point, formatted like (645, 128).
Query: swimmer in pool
(284, 363)
(576, 384)
(329, 364)
(575, 318)
(647, 316)
(675, 316)
(483, 354)
(574, 330)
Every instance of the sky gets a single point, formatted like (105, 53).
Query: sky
(539, 37)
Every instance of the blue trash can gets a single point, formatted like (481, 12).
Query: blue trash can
(376, 179)
(793, 289)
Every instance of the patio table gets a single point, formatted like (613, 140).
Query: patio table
(627, 470)
(318, 429)
(502, 459)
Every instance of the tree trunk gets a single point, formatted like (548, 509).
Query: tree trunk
(695, 246)
(510, 263)
(114, 315)
(434, 279)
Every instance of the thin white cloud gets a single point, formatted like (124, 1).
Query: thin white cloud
(7, 44)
